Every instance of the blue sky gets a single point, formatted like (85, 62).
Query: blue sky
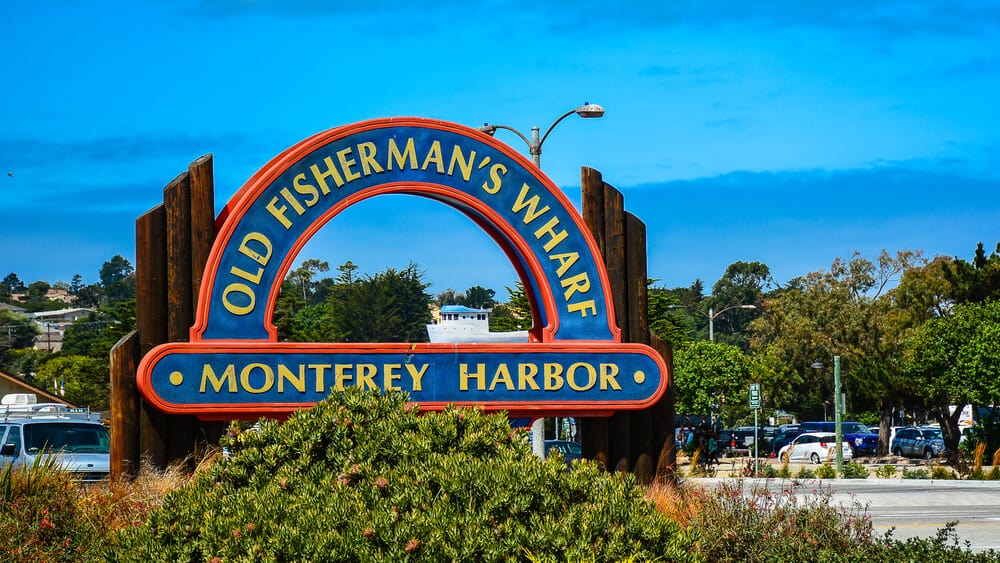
(790, 133)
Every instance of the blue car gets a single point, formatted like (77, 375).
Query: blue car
(862, 440)
(918, 442)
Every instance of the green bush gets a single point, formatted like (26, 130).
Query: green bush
(853, 470)
(942, 473)
(40, 519)
(825, 472)
(363, 477)
(885, 471)
(806, 473)
(915, 474)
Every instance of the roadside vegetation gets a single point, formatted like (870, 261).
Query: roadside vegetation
(366, 477)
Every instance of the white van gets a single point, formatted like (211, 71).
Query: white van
(77, 439)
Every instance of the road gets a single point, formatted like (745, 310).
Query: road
(912, 507)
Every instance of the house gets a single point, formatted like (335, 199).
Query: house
(53, 324)
(11, 385)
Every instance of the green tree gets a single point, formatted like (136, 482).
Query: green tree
(846, 311)
(118, 279)
(303, 277)
(513, 315)
(76, 284)
(392, 306)
(478, 297)
(743, 283)
(95, 335)
(977, 281)
(16, 331)
(954, 360)
(11, 284)
(447, 297)
(81, 380)
(708, 373)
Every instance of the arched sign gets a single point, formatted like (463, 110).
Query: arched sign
(233, 365)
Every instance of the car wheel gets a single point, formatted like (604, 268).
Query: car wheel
(928, 454)
(897, 452)
(814, 457)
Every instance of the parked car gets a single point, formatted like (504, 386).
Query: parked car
(75, 438)
(814, 447)
(861, 440)
(570, 450)
(918, 442)
(736, 442)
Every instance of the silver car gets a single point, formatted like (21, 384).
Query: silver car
(918, 442)
(815, 447)
(79, 443)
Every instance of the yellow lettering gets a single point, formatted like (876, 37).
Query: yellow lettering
(228, 377)
(262, 254)
(278, 212)
(565, 261)
(554, 237)
(366, 151)
(464, 165)
(285, 193)
(241, 273)
(300, 185)
(391, 373)
(526, 377)
(553, 377)
(238, 288)
(346, 164)
(409, 152)
(582, 307)
(578, 283)
(434, 155)
(496, 172)
(532, 205)
(330, 172)
(609, 375)
(479, 375)
(342, 374)
(571, 376)
(502, 375)
(366, 376)
(297, 380)
(416, 375)
(248, 371)
(320, 370)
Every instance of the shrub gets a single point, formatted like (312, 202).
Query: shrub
(853, 470)
(826, 472)
(942, 472)
(763, 525)
(806, 473)
(915, 474)
(363, 477)
(39, 516)
(885, 471)
(769, 471)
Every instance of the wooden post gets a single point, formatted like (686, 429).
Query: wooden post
(124, 407)
(151, 318)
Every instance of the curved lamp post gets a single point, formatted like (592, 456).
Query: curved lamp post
(587, 110)
(711, 315)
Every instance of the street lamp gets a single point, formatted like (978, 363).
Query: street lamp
(838, 406)
(711, 315)
(587, 110)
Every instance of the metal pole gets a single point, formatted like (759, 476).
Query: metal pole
(711, 325)
(756, 434)
(536, 147)
(836, 415)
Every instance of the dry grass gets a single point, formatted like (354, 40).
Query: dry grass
(679, 503)
(125, 503)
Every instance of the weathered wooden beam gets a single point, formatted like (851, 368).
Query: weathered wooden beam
(151, 318)
(664, 416)
(202, 218)
(125, 401)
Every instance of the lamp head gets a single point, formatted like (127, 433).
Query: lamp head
(589, 110)
(748, 306)
(488, 129)
(816, 365)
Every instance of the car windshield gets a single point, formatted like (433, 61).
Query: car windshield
(72, 437)
(855, 428)
(932, 434)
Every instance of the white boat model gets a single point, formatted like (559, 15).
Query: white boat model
(461, 324)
